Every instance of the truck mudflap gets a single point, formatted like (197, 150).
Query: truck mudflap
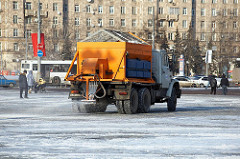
(174, 85)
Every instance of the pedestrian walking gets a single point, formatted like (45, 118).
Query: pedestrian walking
(209, 80)
(23, 85)
(30, 81)
(213, 84)
(224, 84)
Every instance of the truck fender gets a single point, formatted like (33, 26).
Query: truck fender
(174, 83)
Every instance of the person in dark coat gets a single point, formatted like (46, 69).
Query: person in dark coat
(213, 84)
(224, 84)
(23, 85)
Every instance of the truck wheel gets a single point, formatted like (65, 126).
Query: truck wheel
(172, 101)
(101, 105)
(11, 85)
(128, 106)
(144, 100)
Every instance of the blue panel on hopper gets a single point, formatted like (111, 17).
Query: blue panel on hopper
(147, 65)
(140, 64)
(139, 74)
(131, 74)
(131, 63)
(147, 74)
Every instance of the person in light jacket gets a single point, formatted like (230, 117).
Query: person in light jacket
(224, 84)
(23, 85)
(30, 81)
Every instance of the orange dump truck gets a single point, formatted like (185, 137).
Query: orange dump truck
(129, 75)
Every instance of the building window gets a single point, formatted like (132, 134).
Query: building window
(88, 9)
(100, 9)
(224, 12)
(170, 23)
(213, 25)
(174, 11)
(29, 32)
(160, 0)
(123, 10)
(134, 10)
(184, 36)
(214, 1)
(77, 8)
(100, 22)
(235, 12)
(234, 25)
(55, 33)
(88, 22)
(214, 12)
(77, 34)
(123, 22)
(202, 1)
(235, 49)
(150, 23)
(224, 25)
(55, 20)
(161, 23)
(134, 23)
(55, 47)
(184, 24)
(28, 20)
(150, 10)
(170, 36)
(184, 11)
(202, 24)
(224, 1)
(77, 22)
(15, 32)
(30, 47)
(0, 46)
(0, 32)
(235, 1)
(202, 37)
(149, 36)
(55, 7)
(0, 19)
(202, 11)
(15, 47)
(184, 1)
(214, 37)
(15, 5)
(15, 19)
(28, 5)
(88, 34)
(160, 10)
(111, 10)
(111, 22)
(65, 7)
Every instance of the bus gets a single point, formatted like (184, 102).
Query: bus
(52, 72)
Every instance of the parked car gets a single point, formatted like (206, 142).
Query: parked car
(6, 83)
(185, 81)
(202, 81)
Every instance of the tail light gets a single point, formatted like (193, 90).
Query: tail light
(123, 93)
(74, 91)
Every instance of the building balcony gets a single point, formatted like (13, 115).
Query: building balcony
(174, 17)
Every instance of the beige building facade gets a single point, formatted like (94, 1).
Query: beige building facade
(74, 20)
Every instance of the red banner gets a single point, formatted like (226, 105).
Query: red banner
(36, 45)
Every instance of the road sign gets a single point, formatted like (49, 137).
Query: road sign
(40, 53)
(40, 46)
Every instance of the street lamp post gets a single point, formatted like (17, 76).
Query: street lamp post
(39, 41)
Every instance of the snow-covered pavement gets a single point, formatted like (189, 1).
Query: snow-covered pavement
(44, 126)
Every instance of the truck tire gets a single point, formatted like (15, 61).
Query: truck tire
(128, 106)
(11, 85)
(101, 104)
(144, 100)
(172, 101)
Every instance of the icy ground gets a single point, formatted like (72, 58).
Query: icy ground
(44, 126)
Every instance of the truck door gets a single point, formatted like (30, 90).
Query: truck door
(166, 74)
